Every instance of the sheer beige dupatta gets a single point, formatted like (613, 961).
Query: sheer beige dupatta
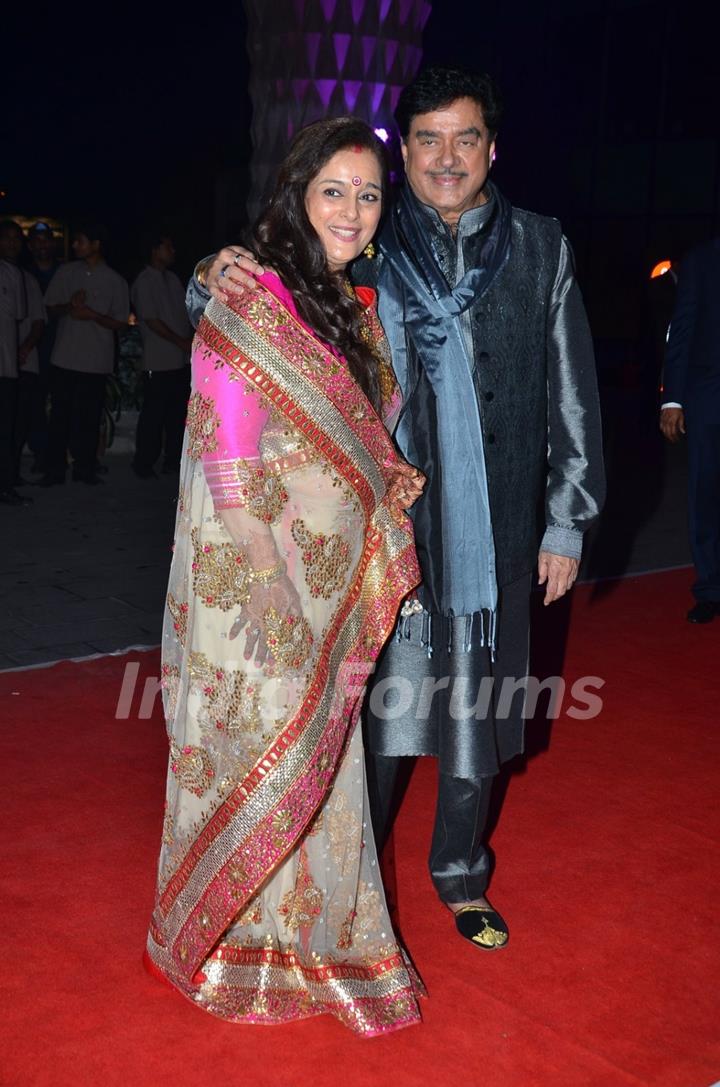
(270, 905)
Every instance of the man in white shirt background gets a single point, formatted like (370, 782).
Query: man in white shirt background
(91, 303)
(158, 299)
(13, 308)
(42, 263)
(30, 332)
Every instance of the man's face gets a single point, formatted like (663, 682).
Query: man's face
(11, 242)
(41, 245)
(83, 247)
(447, 158)
(165, 252)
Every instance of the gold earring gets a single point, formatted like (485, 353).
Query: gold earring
(369, 251)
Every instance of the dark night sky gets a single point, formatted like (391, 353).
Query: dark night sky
(113, 122)
(612, 112)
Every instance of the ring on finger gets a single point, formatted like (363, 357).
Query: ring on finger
(223, 270)
(236, 259)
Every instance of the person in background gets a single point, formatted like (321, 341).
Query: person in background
(30, 333)
(691, 387)
(13, 309)
(42, 263)
(158, 299)
(91, 303)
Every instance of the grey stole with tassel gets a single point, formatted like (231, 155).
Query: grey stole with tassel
(421, 314)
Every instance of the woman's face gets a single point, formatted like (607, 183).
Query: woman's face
(343, 202)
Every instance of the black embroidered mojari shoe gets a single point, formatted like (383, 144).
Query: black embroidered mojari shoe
(482, 925)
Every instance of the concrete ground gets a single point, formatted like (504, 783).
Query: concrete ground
(85, 568)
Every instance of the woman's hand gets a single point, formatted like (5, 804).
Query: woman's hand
(405, 487)
(280, 595)
(232, 271)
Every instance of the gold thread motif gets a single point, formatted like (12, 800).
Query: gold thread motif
(303, 903)
(369, 908)
(231, 704)
(202, 422)
(253, 915)
(345, 939)
(276, 323)
(192, 767)
(179, 612)
(344, 832)
(373, 336)
(289, 639)
(170, 683)
(221, 574)
(168, 832)
(237, 877)
(326, 559)
(262, 493)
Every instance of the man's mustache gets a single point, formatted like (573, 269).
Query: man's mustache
(447, 173)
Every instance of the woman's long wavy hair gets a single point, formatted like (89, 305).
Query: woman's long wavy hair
(285, 240)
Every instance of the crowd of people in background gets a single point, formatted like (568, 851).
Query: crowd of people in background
(58, 344)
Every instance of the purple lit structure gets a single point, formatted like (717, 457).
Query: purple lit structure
(325, 58)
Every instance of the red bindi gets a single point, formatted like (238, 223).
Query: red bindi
(357, 148)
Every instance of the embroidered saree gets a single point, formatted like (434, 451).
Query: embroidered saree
(270, 905)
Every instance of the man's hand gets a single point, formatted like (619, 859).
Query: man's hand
(672, 423)
(78, 299)
(233, 271)
(558, 572)
(82, 313)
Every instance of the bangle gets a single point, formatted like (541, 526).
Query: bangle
(201, 270)
(265, 577)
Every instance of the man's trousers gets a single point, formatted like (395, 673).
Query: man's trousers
(162, 416)
(704, 506)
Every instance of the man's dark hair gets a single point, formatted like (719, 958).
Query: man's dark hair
(152, 238)
(94, 232)
(9, 226)
(284, 239)
(438, 86)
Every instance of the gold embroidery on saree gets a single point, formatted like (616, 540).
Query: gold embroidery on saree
(202, 422)
(263, 312)
(326, 558)
(168, 833)
(344, 832)
(220, 574)
(179, 612)
(262, 493)
(345, 939)
(170, 683)
(230, 704)
(289, 639)
(253, 915)
(303, 903)
(192, 767)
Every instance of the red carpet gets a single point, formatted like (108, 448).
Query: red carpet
(608, 857)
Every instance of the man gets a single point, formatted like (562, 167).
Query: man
(42, 264)
(692, 405)
(13, 308)
(91, 304)
(158, 299)
(493, 353)
(30, 331)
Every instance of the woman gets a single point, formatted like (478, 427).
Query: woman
(292, 556)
